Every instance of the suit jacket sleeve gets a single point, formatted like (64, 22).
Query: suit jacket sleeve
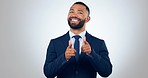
(53, 64)
(100, 61)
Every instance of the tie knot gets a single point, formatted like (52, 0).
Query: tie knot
(77, 37)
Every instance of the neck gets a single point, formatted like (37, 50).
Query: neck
(78, 31)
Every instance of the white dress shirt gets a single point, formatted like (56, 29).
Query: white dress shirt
(72, 39)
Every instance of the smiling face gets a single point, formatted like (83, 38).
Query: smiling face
(77, 16)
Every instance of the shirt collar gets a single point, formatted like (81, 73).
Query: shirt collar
(82, 34)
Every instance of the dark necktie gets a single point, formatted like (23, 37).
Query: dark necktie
(77, 46)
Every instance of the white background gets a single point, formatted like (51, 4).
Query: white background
(26, 27)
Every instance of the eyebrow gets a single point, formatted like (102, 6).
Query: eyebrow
(71, 9)
(78, 10)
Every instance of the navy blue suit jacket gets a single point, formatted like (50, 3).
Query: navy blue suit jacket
(86, 67)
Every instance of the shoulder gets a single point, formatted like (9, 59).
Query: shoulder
(94, 38)
(63, 37)
(95, 42)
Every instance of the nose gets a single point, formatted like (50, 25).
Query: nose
(74, 15)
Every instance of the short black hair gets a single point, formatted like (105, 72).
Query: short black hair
(81, 3)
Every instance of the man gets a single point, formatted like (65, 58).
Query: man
(77, 54)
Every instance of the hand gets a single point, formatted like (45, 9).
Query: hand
(69, 51)
(86, 48)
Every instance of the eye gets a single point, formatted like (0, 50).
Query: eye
(80, 12)
(71, 11)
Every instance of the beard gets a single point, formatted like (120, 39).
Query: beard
(76, 26)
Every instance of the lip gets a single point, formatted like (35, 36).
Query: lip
(76, 18)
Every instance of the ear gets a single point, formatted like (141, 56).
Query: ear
(88, 18)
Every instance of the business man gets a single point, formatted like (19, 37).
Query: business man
(77, 54)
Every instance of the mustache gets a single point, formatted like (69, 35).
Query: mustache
(75, 18)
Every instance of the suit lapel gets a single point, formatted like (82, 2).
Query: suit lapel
(88, 38)
(65, 39)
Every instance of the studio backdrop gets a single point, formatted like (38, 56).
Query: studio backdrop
(27, 26)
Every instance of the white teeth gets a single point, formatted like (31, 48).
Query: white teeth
(74, 20)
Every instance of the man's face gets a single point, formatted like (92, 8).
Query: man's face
(77, 16)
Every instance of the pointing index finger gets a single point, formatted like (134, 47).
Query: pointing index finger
(70, 44)
(84, 40)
